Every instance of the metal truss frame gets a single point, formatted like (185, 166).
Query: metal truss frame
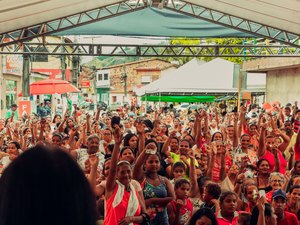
(234, 22)
(68, 22)
(152, 50)
(127, 6)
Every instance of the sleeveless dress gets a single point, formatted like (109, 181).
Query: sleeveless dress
(159, 191)
(121, 204)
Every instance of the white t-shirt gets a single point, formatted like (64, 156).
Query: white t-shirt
(82, 156)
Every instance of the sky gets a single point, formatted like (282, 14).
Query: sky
(109, 39)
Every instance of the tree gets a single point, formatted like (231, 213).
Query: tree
(217, 41)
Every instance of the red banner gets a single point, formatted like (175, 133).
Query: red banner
(24, 106)
(85, 84)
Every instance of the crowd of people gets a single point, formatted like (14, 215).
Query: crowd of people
(166, 167)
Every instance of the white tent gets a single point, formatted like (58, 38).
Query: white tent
(190, 67)
(214, 77)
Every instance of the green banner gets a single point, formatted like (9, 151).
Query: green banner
(152, 98)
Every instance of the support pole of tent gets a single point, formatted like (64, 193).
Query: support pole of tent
(239, 91)
(159, 99)
(63, 62)
(146, 102)
(75, 70)
(26, 76)
(63, 75)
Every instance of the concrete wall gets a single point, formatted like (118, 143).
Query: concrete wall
(283, 77)
(283, 85)
(267, 64)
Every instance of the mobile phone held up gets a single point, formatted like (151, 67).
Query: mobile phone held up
(262, 193)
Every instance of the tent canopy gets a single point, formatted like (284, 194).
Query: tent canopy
(155, 22)
(212, 78)
(16, 14)
(190, 67)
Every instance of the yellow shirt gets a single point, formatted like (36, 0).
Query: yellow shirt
(291, 144)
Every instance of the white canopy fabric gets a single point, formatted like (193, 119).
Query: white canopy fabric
(195, 77)
(190, 67)
(15, 14)
(276, 13)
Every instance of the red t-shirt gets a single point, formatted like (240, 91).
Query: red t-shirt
(222, 221)
(290, 219)
(270, 157)
(297, 151)
(185, 212)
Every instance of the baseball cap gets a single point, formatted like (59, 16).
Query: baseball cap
(279, 193)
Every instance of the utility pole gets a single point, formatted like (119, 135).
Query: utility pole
(125, 82)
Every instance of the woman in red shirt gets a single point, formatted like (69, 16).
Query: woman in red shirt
(266, 150)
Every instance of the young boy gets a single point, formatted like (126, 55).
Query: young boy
(180, 210)
(211, 195)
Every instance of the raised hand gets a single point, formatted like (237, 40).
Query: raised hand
(156, 123)
(94, 161)
(240, 178)
(261, 204)
(291, 151)
(173, 134)
(117, 133)
(66, 115)
(287, 176)
(213, 148)
(179, 204)
(140, 127)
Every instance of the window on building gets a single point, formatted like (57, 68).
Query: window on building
(146, 80)
(99, 76)
(106, 76)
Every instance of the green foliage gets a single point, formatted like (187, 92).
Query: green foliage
(217, 41)
(106, 61)
(181, 41)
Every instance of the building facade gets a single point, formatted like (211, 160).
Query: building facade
(282, 79)
(41, 67)
(116, 84)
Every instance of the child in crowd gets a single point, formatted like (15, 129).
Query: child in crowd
(211, 195)
(180, 210)
(178, 171)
